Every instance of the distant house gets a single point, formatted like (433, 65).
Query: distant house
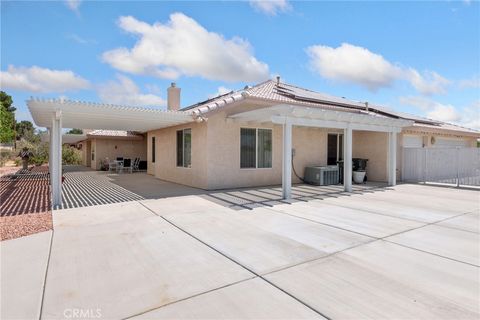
(106, 145)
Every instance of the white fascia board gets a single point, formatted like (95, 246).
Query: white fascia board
(305, 122)
(378, 128)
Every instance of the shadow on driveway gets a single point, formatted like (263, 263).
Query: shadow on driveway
(84, 187)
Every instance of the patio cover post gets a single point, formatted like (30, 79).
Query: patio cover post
(56, 159)
(287, 160)
(347, 162)
(392, 158)
(50, 148)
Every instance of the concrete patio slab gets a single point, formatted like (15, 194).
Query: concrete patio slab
(363, 222)
(251, 299)
(403, 209)
(263, 240)
(385, 281)
(444, 192)
(451, 243)
(468, 222)
(100, 214)
(441, 203)
(23, 267)
(126, 267)
(169, 206)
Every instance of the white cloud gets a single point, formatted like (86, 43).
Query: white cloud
(430, 83)
(270, 7)
(184, 47)
(37, 79)
(358, 65)
(471, 116)
(220, 91)
(125, 92)
(354, 64)
(73, 5)
(473, 82)
(468, 116)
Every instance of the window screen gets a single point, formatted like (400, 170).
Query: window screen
(153, 149)
(248, 143)
(255, 148)
(264, 149)
(184, 148)
(187, 148)
(180, 148)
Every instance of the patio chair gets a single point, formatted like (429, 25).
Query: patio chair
(127, 164)
(112, 166)
(136, 163)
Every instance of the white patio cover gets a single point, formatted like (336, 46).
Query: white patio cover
(77, 114)
(56, 114)
(292, 115)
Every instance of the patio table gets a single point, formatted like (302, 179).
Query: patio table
(117, 164)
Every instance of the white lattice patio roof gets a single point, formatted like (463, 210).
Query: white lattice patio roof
(78, 114)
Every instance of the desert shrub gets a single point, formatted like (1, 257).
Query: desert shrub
(39, 151)
(40, 154)
(6, 155)
(71, 155)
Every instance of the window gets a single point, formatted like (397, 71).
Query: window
(184, 148)
(255, 148)
(93, 154)
(153, 149)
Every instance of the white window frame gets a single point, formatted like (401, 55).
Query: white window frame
(256, 148)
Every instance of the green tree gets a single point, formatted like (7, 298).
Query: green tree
(25, 130)
(75, 131)
(7, 118)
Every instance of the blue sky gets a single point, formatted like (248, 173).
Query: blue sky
(417, 57)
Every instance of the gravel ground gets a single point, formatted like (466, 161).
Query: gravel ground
(8, 170)
(24, 203)
(25, 224)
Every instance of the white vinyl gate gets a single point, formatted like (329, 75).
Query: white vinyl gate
(460, 166)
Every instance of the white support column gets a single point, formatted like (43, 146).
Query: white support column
(347, 161)
(287, 160)
(50, 148)
(56, 160)
(392, 158)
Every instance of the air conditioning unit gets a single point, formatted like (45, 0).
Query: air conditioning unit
(322, 176)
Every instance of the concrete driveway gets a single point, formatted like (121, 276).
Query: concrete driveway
(405, 252)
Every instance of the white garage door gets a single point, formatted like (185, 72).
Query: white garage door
(449, 142)
(412, 141)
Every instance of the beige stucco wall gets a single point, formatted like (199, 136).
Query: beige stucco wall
(374, 147)
(85, 152)
(428, 133)
(165, 166)
(224, 156)
(224, 170)
(113, 148)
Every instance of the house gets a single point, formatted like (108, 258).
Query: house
(224, 153)
(104, 145)
(261, 135)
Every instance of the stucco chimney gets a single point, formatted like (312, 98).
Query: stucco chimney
(173, 97)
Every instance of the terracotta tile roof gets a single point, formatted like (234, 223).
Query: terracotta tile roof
(283, 93)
